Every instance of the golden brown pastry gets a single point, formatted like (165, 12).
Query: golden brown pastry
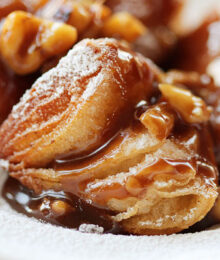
(99, 84)
(204, 86)
(103, 126)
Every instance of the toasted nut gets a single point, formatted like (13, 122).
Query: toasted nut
(27, 41)
(193, 109)
(76, 14)
(81, 14)
(60, 207)
(159, 120)
(100, 13)
(125, 26)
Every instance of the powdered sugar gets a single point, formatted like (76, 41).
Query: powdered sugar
(89, 228)
(72, 68)
(160, 221)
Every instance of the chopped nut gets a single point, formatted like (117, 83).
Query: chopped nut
(159, 120)
(32, 40)
(83, 15)
(125, 26)
(60, 207)
(75, 14)
(193, 109)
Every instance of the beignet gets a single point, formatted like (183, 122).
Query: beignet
(103, 126)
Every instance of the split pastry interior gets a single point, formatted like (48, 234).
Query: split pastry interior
(104, 126)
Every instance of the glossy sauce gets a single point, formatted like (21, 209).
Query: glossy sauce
(77, 173)
(76, 181)
(40, 206)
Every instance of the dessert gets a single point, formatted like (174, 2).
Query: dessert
(115, 139)
(104, 136)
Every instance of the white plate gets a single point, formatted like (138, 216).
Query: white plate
(26, 238)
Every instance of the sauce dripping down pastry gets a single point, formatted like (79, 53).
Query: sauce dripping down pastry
(103, 127)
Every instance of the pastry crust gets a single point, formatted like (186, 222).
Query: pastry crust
(70, 107)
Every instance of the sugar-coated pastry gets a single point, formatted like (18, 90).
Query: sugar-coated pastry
(94, 87)
(106, 126)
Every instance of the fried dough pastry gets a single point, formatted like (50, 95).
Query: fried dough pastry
(103, 126)
(99, 81)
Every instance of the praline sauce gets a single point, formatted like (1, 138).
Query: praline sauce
(77, 211)
(40, 206)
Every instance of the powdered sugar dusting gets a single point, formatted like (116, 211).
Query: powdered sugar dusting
(51, 95)
(71, 69)
(175, 218)
(90, 228)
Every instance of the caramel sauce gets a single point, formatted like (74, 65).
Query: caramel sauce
(77, 173)
(40, 206)
(80, 212)
(75, 180)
